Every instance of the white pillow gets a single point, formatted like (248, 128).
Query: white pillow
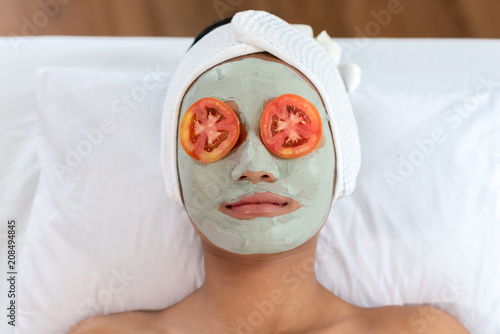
(102, 231)
(104, 237)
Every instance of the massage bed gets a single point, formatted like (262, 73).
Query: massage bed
(95, 233)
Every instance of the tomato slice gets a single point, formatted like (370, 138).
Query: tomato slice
(209, 129)
(290, 126)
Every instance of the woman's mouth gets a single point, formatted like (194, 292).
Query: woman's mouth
(260, 205)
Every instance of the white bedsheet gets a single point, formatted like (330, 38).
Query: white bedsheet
(454, 139)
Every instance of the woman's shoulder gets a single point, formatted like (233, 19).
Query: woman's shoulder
(384, 320)
(147, 322)
(410, 319)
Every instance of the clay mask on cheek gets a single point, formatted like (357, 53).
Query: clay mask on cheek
(308, 180)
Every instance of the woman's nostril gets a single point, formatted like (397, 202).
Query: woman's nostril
(268, 178)
(256, 177)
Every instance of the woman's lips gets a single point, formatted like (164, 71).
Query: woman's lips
(260, 205)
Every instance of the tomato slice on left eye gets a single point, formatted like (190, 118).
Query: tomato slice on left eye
(290, 126)
(209, 130)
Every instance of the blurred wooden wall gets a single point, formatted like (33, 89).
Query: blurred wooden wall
(341, 18)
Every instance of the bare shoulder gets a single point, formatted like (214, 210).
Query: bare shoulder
(147, 322)
(413, 319)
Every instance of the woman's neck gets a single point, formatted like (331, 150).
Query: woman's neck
(264, 293)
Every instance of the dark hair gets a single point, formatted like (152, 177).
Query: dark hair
(210, 28)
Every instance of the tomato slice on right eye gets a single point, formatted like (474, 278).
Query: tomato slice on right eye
(290, 126)
(209, 129)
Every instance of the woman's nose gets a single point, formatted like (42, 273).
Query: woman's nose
(256, 177)
(254, 162)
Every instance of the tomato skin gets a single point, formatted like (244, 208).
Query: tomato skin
(290, 126)
(209, 130)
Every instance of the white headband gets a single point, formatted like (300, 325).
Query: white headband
(257, 31)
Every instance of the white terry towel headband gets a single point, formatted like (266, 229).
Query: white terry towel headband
(257, 31)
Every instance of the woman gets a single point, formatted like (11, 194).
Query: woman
(258, 125)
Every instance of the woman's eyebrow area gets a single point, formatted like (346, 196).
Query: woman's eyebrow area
(233, 105)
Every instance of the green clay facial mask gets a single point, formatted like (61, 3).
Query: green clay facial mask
(307, 180)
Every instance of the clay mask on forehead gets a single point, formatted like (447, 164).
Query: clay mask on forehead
(308, 180)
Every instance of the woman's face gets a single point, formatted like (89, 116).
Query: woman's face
(295, 195)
